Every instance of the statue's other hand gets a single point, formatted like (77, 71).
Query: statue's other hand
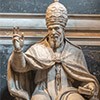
(87, 89)
(18, 40)
(91, 87)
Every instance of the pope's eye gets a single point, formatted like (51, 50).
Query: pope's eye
(56, 28)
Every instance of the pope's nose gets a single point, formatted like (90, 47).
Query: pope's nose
(53, 31)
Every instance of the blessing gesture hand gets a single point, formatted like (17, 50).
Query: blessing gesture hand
(18, 40)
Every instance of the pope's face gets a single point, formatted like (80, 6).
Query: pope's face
(56, 35)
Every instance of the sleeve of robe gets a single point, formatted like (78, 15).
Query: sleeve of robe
(20, 72)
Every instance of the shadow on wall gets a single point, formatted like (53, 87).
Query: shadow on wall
(4, 95)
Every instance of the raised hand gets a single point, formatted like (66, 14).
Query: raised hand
(18, 40)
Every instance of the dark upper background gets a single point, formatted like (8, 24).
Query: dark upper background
(39, 6)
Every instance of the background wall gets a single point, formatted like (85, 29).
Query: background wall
(39, 6)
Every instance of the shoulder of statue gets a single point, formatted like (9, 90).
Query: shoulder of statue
(77, 46)
(41, 43)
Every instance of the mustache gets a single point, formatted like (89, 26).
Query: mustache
(54, 36)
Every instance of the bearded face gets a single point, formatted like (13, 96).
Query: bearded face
(56, 35)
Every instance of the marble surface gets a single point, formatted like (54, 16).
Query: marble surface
(39, 6)
(92, 55)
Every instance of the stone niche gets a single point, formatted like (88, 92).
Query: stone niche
(83, 30)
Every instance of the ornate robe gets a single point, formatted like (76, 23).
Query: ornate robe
(41, 59)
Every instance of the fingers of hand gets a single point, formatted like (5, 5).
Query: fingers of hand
(16, 33)
(21, 42)
(15, 30)
(16, 36)
(90, 86)
(86, 86)
(22, 36)
(17, 45)
(17, 39)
